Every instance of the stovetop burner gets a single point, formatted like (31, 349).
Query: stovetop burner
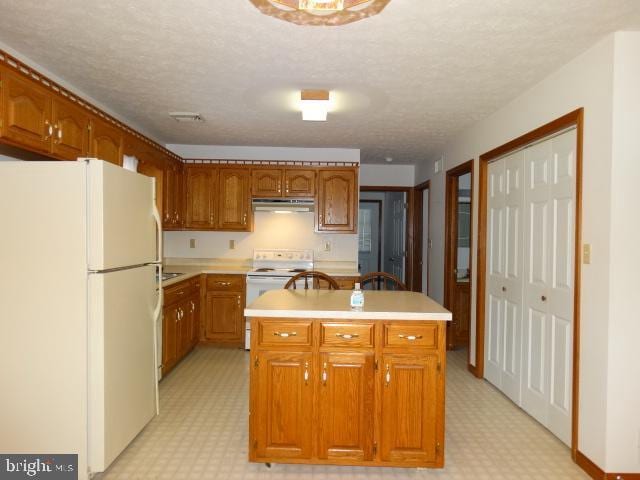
(298, 270)
(264, 269)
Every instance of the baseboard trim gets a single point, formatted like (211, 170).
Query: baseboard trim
(589, 467)
(597, 473)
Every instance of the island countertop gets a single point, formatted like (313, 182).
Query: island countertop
(315, 303)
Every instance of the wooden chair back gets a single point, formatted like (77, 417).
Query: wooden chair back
(314, 276)
(381, 281)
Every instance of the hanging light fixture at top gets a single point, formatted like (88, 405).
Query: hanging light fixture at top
(320, 12)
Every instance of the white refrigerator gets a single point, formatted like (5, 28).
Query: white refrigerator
(80, 306)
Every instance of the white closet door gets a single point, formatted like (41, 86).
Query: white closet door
(513, 279)
(548, 287)
(561, 292)
(494, 305)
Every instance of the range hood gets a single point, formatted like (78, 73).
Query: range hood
(282, 205)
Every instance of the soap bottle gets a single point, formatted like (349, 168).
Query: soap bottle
(357, 298)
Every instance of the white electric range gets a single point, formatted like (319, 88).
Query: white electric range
(272, 269)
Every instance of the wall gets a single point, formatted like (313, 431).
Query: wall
(271, 230)
(345, 155)
(623, 386)
(586, 81)
(387, 175)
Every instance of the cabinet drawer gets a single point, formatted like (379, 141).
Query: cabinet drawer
(347, 334)
(404, 335)
(175, 293)
(225, 283)
(284, 333)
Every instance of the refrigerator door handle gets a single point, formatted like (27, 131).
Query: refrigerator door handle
(157, 317)
(156, 217)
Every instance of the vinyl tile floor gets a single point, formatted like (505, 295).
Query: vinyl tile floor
(202, 432)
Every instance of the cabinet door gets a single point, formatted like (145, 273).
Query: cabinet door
(224, 320)
(282, 419)
(106, 141)
(266, 182)
(179, 196)
(169, 216)
(194, 319)
(345, 407)
(234, 210)
(150, 166)
(70, 130)
(336, 210)
(299, 183)
(201, 192)
(409, 432)
(170, 323)
(27, 113)
(186, 327)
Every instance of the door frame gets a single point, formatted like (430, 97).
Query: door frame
(451, 238)
(410, 228)
(379, 202)
(418, 216)
(574, 118)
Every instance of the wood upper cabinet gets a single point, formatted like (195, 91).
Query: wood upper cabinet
(283, 182)
(267, 182)
(106, 142)
(173, 216)
(346, 406)
(283, 424)
(299, 183)
(234, 205)
(337, 196)
(150, 163)
(70, 130)
(410, 403)
(201, 195)
(26, 114)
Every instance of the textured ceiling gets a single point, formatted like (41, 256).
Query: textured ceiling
(405, 80)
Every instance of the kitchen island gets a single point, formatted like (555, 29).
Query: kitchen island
(329, 385)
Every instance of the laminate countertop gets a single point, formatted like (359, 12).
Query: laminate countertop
(378, 305)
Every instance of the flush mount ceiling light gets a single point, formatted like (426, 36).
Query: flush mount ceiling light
(320, 12)
(314, 105)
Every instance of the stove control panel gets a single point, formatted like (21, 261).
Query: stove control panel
(283, 255)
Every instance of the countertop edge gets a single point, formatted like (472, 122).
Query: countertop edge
(353, 315)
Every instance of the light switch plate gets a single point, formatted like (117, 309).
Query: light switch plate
(586, 253)
(192, 243)
(232, 244)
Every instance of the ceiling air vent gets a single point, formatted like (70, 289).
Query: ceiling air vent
(186, 117)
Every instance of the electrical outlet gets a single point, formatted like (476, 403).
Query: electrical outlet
(192, 243)
(327, 246)
(586, 253)
(232, 244)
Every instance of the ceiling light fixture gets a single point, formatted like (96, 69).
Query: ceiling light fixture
(314, 105)
(320, 12)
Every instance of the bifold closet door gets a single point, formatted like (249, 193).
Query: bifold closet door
(503, 339)
(548, 288)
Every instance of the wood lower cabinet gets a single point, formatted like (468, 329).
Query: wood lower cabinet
(180, 321)
(409, 426)
(284, 423)
(345, 406)
(336, 209)
(347, 392)
(224, 322)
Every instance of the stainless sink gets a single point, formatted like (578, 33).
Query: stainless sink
(169, 276)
